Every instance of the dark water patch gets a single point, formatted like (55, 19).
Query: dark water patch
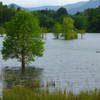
(13, 76)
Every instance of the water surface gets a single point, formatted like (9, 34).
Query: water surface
(72, 64)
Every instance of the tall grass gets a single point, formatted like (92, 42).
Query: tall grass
(22, 93)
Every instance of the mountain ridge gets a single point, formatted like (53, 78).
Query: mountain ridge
(72, 8)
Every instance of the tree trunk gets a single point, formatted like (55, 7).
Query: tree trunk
(57, 37)
(23, 64)
(81, 36)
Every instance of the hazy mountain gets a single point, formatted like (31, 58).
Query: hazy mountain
(72, 8)
(89, 4)
(74, 5)
(44, 7)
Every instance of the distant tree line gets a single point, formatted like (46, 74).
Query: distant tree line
(59, 21)
(6, 13)
(24, 30)
(89, 20)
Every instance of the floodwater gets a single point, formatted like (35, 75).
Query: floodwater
(72, 64)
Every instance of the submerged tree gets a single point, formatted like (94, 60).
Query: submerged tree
(23, 40)
(82, 32)
(68, 29)
(57, 29)
(81, 22)
(43, 32)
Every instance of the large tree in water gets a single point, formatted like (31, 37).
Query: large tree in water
(23, 39)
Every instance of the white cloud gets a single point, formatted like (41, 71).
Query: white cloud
(33, 3)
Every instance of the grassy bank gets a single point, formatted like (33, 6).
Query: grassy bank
(22, 93)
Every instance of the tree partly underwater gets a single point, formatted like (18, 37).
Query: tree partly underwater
(23, 39)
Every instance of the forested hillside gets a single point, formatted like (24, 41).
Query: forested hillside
(87, 21)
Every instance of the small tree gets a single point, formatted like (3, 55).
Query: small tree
(57, 29)
(43, 32)
(23, 40)
(68, 28)
(81, 32)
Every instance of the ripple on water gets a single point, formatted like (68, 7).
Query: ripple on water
(73, 64)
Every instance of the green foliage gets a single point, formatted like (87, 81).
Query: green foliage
(46, 22)
(2, 30)
(6, 13)
(88, 20)
(81, 31)
(61, 12)
(81, 22)
(68, 28)
(95, 24)
(44, 32)
(23, 40)
(45, 18)
(22, 93)
(48, 18)
(57, 29)
(94, 20)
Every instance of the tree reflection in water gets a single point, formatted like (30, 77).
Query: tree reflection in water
(31, 77)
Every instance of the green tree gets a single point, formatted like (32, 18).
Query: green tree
(23, 40)
(93, 16)
(61, 12)
(89, 20)
(68, 29)
(2, 30)
(82, 32)
(44, 32)
(96, 24)
(46, 22)
(57, 29)
(1, 12)
(81, 22)
(6, 13)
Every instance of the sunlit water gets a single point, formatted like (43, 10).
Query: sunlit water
(72, 64)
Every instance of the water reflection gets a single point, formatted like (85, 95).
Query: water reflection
(13, 76)
(73, 64)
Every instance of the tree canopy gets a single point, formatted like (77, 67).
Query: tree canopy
(57, 29)
(23, 40)
(68, 28)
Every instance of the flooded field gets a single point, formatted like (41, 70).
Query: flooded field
(72, 64)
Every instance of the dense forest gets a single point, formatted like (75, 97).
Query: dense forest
(58, 22)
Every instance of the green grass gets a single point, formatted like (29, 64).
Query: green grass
(22, 93)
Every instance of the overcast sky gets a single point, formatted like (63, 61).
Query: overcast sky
(34, 3)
